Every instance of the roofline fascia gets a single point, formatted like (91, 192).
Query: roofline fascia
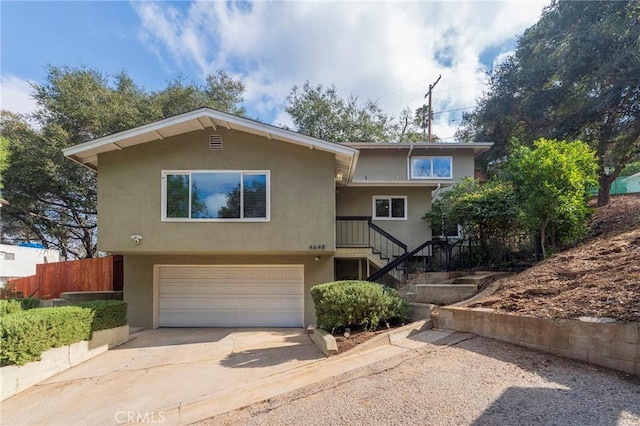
(332, 147)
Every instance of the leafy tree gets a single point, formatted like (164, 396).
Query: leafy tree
(321, 113)
(231, 210)
(483, 211)
(198, 206)
(631, 169)
(53, 200)
(574, 75)
(254, 195)
(177, 196)
(411, 125)
(221, 92)
(551, 185)
(4, 158)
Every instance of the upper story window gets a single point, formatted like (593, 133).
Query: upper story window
(215, 196)
(431, 167)
(389, 208)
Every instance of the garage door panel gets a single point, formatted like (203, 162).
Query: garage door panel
(231, 296)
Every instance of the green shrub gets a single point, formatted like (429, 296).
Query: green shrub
(107, 313)
(348, 303)
(29, 302)
(9, 306)
(27, 334)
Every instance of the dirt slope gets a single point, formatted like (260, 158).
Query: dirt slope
(600, 277)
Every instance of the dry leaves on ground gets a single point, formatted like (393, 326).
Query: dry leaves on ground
(600, 277)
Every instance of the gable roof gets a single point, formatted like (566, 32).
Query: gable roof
(200, 119)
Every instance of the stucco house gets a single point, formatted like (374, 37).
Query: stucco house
(225, 221)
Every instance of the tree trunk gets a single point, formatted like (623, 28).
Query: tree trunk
(604, 189)
(605, 181)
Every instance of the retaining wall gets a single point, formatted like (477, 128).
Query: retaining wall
(15, 379)
(612, 345)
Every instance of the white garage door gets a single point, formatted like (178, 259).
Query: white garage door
(231, 296)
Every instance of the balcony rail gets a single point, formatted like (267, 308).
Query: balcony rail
(360, 231)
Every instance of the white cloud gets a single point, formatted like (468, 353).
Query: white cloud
(15, 95)
(390, 51)
(214, 202)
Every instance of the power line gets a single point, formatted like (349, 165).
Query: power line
(460, 87)
(453, 110)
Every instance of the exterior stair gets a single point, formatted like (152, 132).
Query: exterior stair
(423, 295)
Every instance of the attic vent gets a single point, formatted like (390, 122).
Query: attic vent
(215, 142)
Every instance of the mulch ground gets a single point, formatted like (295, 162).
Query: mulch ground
(600, 277)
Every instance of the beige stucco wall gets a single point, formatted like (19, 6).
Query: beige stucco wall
(392, 164)
(358, 201)
(302, 196)
(138, 278)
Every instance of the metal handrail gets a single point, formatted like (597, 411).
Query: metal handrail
(396, 262)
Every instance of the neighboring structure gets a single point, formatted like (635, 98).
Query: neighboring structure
(633, 183)
(18, 261)
(225, 221)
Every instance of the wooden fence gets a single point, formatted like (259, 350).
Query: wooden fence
(51, 279)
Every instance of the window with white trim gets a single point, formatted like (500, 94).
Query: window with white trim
(389, 207)
(215, 196)
(431, 167)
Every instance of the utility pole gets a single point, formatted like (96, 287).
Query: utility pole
(431, 86)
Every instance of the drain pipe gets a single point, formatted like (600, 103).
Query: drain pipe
(409, 162)
(435, 193)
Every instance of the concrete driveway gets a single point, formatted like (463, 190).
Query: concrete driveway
(149, 378)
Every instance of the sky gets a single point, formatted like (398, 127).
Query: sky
(386, 51)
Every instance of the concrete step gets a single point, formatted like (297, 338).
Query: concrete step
(407, 296)
(420, 311)
(473, 279)
(444, 294)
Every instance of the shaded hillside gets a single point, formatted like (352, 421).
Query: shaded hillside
(600, 277)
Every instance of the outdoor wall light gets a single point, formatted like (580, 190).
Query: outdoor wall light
(136, 238)
(317, 258)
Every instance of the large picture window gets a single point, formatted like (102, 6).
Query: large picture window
(216, 195)
(389, 208)
(431, 167)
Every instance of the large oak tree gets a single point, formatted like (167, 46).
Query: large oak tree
(574, 75)
(53, 200)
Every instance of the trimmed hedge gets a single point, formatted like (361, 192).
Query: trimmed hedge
(346, 303)
(27, 334)
(9, 306)
(107, 313)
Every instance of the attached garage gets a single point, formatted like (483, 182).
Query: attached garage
(229, 296)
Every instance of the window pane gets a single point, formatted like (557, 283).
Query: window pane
(215, 195)
(177, 196)
(397, 207)
(382, 208)
(442, 167)
(254, 194)
(420, 167)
